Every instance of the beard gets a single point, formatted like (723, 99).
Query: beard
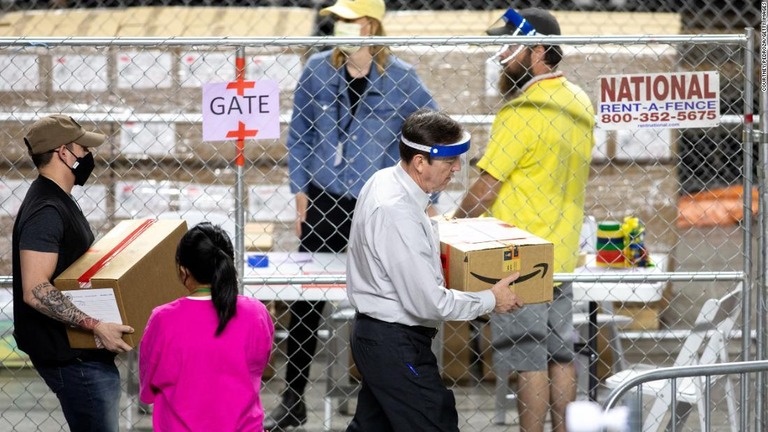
(515, 75)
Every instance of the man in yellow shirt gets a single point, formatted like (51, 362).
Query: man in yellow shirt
(533, 175)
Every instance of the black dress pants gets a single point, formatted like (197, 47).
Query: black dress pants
(325, 229)
(401, 389)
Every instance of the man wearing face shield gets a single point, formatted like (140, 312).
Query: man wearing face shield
(533, 175)
(349, 106)
(395, 282)
(49, 234)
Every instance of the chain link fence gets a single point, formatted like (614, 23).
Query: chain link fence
(696, 14)
(685, 185)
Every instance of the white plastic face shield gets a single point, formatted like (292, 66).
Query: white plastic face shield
(509, 21)
(458, 150)
(461, 177)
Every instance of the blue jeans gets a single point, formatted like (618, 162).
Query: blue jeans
(89, 392)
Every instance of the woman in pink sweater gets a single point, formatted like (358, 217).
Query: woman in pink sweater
(202, 356)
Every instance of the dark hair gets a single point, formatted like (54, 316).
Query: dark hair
(545, 24)
(428, 127)
(40, 160)
(552, 55)
(207, 253)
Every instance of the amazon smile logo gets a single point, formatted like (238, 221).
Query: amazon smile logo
(539, 268)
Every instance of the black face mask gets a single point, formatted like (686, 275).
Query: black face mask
(82, 168)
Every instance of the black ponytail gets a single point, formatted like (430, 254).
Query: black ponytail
(206, 251)
(224, 289)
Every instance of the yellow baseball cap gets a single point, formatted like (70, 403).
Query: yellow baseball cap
(354, 9)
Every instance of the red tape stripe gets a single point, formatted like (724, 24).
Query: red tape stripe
(98, 265)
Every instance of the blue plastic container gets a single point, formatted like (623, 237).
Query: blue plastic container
(258, 261)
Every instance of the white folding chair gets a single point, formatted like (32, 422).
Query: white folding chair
(706, 344)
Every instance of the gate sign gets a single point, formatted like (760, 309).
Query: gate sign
(666, 100)
(241, 110)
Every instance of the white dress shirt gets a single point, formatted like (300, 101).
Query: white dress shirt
(394, 272)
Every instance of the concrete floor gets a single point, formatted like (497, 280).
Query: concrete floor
(27, 405)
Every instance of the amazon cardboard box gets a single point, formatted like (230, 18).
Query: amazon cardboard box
(477, 252)
(124, 275)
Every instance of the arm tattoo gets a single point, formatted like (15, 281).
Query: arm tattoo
(56, 305)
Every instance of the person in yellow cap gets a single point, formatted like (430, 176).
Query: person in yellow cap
(49, 234)
(534, 175)
(349, 105)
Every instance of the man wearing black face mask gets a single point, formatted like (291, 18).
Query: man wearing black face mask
(49, 234)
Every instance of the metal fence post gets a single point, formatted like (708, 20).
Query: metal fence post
(761, 403)
(749, 49)
(240, 163)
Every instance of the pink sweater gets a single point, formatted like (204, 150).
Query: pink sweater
(199, 382)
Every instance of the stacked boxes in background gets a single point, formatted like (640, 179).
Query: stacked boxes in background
(166, 80)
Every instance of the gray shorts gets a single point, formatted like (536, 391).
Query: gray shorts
(529, 338)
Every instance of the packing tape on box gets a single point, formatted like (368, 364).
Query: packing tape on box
(85, 278)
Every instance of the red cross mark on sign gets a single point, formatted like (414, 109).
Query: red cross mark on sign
(241, 85)
(242, 133)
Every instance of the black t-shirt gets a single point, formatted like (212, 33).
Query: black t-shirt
(356, 89)
(49, 220)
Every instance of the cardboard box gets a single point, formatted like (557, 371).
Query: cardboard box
(476, 253)
(135, 265)
(644, 316)
(259, 236)
(648, 316)
(466, 351)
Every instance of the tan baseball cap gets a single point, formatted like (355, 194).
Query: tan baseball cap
(354, 9)
(52, 132)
